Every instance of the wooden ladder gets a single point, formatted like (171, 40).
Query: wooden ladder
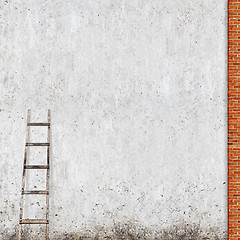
(25, 166)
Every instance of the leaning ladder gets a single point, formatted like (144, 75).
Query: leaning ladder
(25, 166)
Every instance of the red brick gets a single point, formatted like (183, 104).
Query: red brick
(233, 119)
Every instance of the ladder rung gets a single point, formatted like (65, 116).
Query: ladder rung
(33, 221)
(35, 192)
(37, 144)
(38, 124)
(36, 166)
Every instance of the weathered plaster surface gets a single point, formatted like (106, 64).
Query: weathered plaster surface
(137, 91)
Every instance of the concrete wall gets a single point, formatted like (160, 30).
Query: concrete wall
(137, 91)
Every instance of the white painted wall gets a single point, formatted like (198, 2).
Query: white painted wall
(137, 91)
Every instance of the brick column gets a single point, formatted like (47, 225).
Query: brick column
(234, 119)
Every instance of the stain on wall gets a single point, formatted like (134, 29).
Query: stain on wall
(130, 231)
(137, 92)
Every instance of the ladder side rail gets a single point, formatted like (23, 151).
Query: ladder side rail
(24, 177)
(48, 176)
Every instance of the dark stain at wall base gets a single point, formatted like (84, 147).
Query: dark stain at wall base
(129, 232)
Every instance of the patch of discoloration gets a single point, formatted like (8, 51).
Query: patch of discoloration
(129, 231)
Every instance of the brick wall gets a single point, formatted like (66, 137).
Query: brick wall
(234, 119)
